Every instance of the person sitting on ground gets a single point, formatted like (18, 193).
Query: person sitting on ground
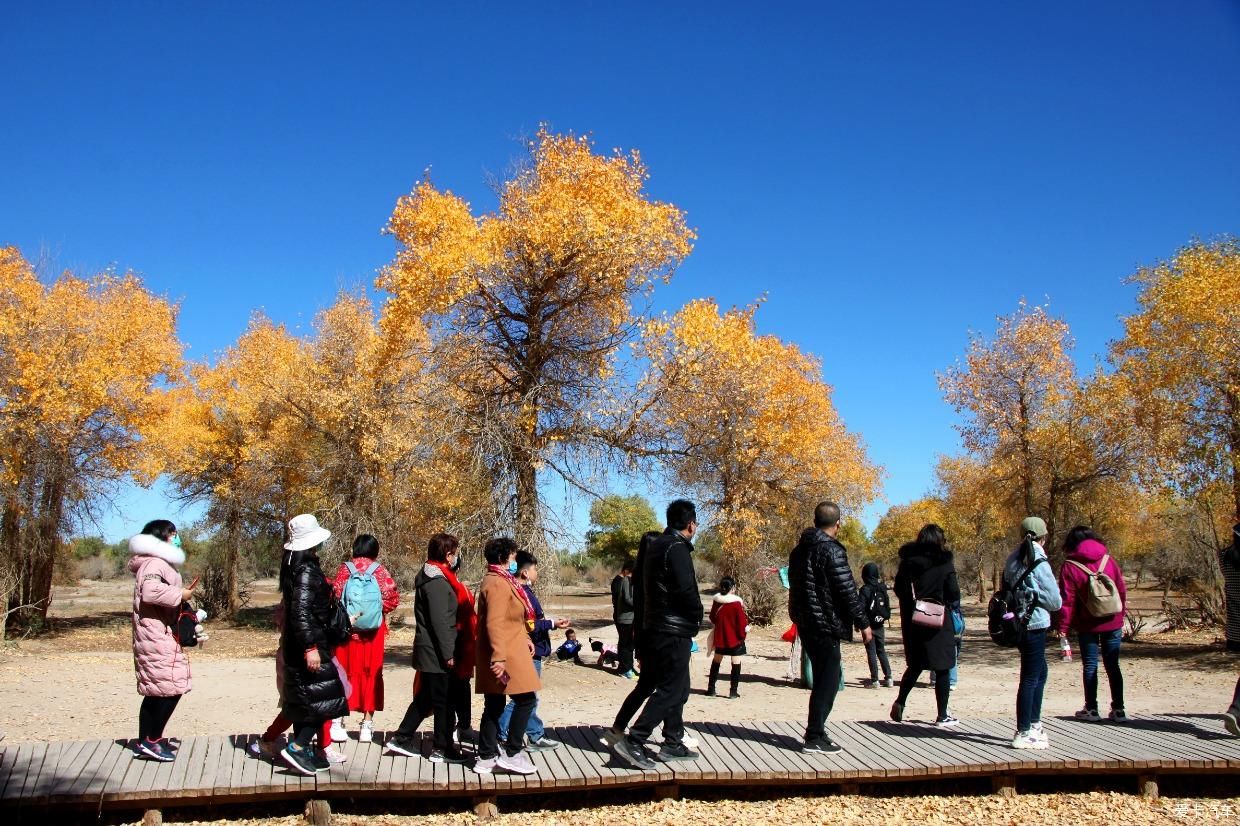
(727, 639)
(570, 649)
(608, 654)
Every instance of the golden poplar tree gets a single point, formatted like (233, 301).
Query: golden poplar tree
(529, 305)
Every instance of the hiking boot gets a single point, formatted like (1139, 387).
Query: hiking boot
(947, 721)
(543, 744)
(448, 756)
(154, 750)
(402, 745)
(298, 759)
(366, 733)
(897, 711)
(1089, 715)
(1231, 721)
(669, 753)
(485, 766)
(1118, 715)
(630, 751)
(611, 736)
(519, 763)
(821, 745)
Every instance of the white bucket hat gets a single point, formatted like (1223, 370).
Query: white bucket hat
(304, 533)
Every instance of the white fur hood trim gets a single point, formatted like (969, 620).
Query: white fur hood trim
(146, 545)
(725, 599)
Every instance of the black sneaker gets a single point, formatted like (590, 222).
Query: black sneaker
(897, 711)
(822, 745)
(402, 745)
(298, 759)
(321, 763)
(631, 752)
(155, 750)
(448, 756)
(1231, 721)
(678, 751)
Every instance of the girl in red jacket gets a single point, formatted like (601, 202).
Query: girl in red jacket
(727, 614)
(1097, 635)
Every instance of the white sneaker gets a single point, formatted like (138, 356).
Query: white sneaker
(1037, 732)
(519, 763)
(1089, 715)
(366, 733)
(1118, 715)
(690, 742)
(1026, 740)
(338, 732)
(485, 766)
(333, 756)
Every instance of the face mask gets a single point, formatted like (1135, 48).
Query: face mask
(456, 565)
(175, 541)
(512, 567)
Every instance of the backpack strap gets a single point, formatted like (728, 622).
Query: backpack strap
(1102, 565)
(371, 568)
(1027, 572)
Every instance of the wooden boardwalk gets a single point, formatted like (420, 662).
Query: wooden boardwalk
(39, 778)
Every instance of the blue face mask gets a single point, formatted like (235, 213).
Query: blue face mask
(512, 567)
(175, 541)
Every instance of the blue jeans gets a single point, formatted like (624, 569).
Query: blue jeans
(1109, 642)
(534, 728)
(1033, 670)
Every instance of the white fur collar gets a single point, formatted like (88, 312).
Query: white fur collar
(146, 545)
(725, 599)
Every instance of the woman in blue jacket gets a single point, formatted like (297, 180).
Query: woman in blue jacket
(1038, 597)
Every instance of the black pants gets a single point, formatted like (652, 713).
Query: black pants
(1234, 708)
(824, 659)
(633, 703)
(625, 646)
(942, 687)
(668, 658)
(876, 652)
(433, 698)
(154, 715)
(462, 700)
(488, 729)
(304, 731)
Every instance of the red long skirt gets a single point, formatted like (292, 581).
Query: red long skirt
(362, 658)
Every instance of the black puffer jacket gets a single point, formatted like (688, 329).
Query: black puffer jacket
(927, 570)
(309, 695)
(671, 604)
(822, 595)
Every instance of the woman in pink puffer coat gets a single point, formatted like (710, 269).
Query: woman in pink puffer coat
(159, 662)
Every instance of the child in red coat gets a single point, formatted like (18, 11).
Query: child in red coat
(727, 614)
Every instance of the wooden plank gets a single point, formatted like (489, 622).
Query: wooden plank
(368, 755)
(1219, 746)
(794, 764)
(68, 768)
(107, 761)
(73, 780)
(1018, 760)
(126, 775)
(586, 756)
(1168, 749)
(59, 753)
(888, 744)
(559, 773)
(1079, 749)
(720, 762)
(788, 736)
(858, 742)
(20, 756)
(758, 761)
(8, 759)
(40, 754)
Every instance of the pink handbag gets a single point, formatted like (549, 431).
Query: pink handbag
(926, 612)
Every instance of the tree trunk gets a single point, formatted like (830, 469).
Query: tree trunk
(232, 559)
(10, 543)
(34, 590)
(527, 517)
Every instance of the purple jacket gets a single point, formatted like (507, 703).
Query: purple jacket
(1072, 584)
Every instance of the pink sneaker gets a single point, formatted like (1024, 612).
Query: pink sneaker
(332, 756)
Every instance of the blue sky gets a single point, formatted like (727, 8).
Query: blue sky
(889, 175)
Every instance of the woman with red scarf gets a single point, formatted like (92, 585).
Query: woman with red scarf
(504, 660)
(362, 655)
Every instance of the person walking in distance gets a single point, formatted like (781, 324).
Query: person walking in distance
(823, 602)
(622, 616)
(877, 604)
(671, 616)
(727, 639)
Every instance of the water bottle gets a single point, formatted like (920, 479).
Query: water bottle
(1065, 649)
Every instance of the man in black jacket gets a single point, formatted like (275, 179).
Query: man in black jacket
(670, 615)
(823, 602)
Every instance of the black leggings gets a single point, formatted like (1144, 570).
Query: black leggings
(304, 731)
(461, 700)
(942, 687)
(154, 715)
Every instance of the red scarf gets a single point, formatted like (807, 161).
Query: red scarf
(517, 589)
(462, 593)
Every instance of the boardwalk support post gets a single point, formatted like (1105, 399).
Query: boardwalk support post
(1148, 785)
(850, 788)
(667, 791)
(1004, 785)
(485, 808)
(152, 817)
(318, 813)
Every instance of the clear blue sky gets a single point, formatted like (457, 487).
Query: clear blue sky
(890, 175)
